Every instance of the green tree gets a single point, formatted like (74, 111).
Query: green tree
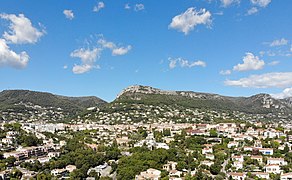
(213, 133)
(181, 165)
(10, 161)
(215, 168)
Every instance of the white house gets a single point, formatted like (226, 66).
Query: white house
(286, 176)
(210, 156)
(207, 163)
(232, 144)
(238, 164)
(237, 176)
(266, 151)
(58, 172)
(7, 140)
(238, 158)
(175, 173)
(273, 168)
(151, 174)
(207, 150)
(278, 161)
(247, 148)
(170, 166)
(262, 175)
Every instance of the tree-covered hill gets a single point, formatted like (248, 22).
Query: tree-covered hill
(72, 105)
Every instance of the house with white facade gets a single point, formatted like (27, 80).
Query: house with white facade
(278, 161)
(237, 175)
(262, 175)
(273, 168)
(286, 176)
(151, 174)
(266, 151)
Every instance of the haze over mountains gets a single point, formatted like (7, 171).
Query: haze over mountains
(257, 104)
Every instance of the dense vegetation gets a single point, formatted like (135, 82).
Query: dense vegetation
(9, 98)
(226, 103)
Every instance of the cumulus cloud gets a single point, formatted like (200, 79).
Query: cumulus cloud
(88, 58)
(252, 10)
(68, 14)
(226, 3)
(261, 3)
(99, 6)
(250, 62)
(184, 63)
(21, 30)
(268, 80)
(116, 50)
(139, 7)
(188, 20)
(121, 50)
(225, 72)
(285, 94)
(279, 42)
(11, 58)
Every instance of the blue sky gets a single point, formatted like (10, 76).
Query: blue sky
(78, 48)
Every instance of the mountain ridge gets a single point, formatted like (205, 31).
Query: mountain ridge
(35, 106)
(259, 103)
(45, 99)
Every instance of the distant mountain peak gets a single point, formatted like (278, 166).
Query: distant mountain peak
(145, 90)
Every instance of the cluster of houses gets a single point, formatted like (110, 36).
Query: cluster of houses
(32, 113)
(133, 113)
(236, 133)
(151, 143)
(263, 155)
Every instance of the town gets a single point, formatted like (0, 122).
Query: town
(227, 150)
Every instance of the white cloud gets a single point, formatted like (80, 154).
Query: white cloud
(99, 6)
(83, 68)
(285, 94)
(250, 62)
(221, 13)
(188, 20)
(225, 72)
(106, 44)
(226, 3)
(139, 7)
(252, 10)
(116, 50)
(291, 48)
(88, 58)
(268, 80)
(10, 58)
(127, 6)
(279, 42)
(172, 63)
(273, 63)
(261, 3)
(184, 63)
(65, 67)
(21, 30)
(68, 14)
(121, 50)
